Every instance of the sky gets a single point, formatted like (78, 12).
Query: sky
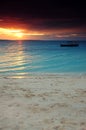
(42, 20)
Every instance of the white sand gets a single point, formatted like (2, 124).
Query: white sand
(43, 102)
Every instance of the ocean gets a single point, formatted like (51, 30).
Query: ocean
(27, 57)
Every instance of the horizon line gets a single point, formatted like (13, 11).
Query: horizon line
(44, 40)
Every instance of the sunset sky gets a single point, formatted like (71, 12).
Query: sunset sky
(40, 20)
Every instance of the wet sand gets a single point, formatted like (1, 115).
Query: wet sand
(43, 102)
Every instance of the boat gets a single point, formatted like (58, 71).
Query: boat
(69, 45)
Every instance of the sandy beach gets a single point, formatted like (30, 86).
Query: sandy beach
(43, 102)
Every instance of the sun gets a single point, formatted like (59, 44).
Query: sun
(12, 33)
(19, 35)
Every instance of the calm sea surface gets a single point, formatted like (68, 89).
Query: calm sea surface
(24, 57)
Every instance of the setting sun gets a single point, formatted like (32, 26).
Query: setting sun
(19, 35)
(11, 33)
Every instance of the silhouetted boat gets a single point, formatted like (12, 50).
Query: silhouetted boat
(69, 45)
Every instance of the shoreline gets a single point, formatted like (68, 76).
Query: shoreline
(43, 74)
(43, 102)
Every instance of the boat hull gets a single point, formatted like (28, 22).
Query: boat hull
(69, 45)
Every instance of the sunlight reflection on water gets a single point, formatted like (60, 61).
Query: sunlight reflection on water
(14, 57)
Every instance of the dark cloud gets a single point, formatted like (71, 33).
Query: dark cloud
(58, 23)
(54, 24)
(42, 9)
(54, 14)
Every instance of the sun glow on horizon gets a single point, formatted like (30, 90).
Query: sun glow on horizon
(33, 34)
(12, 33)
(19, 34)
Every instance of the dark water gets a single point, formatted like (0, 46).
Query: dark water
(24, 57)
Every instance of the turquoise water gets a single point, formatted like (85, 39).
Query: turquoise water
(24, 57)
